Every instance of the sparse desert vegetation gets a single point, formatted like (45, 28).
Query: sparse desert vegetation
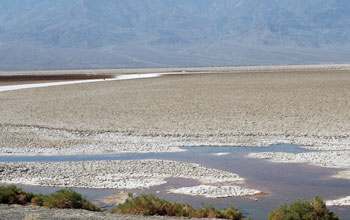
(63, 199)
(14, 195)
(305, 210)
(152, 205)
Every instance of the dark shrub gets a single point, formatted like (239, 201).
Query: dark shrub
(64, 199)
(14, 195)
(152, 205)
(304, 210)
(209, 211)
(143, 205)
(38, 200)
(68, 199)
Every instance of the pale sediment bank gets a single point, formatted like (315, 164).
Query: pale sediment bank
(339, 202)
(116, 198)
(344, 174)
(128, 174)
(329, 159)
(215, 191)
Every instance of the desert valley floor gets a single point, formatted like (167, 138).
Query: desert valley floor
(149, 128)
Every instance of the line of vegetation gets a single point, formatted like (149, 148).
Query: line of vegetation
(63, 199)
(152, 205)
(305, 210)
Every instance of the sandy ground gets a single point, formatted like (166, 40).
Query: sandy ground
(116, 199)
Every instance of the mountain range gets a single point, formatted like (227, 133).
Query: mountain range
(73, 34)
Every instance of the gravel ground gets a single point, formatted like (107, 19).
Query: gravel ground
(15, 212)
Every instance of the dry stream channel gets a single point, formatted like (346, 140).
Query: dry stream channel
(283, 183)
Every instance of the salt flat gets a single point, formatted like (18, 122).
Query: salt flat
(246, 106)
(305, 105)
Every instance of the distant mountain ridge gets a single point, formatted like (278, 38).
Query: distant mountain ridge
(47, 34)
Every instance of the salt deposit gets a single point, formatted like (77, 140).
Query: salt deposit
(40, 85)
(221, 154)
(215, 191)
(339, 202)
(330, 159)
(129, 174)
(46, 141)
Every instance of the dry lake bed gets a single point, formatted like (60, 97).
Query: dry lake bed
(252, 137)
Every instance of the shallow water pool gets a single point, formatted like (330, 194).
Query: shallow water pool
(284, 183)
